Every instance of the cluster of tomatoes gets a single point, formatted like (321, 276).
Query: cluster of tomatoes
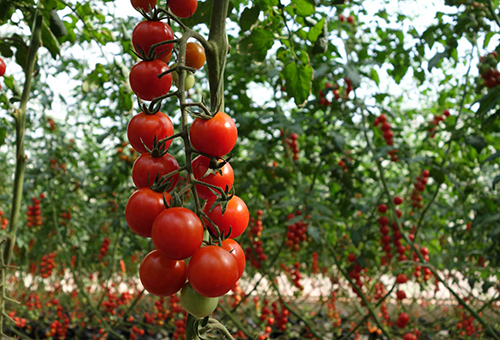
(293, 144)
(129, 157)
(297, 232)
(349, 19)
(466, 325)
(19, 322)
(386, 238)
(177, 233)
(47, 265)
(34, 213)
(59, 327)
(434, 123)
(419, 187)
(332, 310)
(355, 272)
(255, 254)
(104, 248)
(426, 272)
(323, 101)
(278, 320)
(3, 67)
(65, 217)
(3, 221)
(388, 135)
(490, 76)
(294, 273)
(403, 320)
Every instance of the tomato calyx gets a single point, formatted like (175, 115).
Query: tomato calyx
(215, 168)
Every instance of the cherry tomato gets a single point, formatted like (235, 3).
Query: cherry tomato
(142, 208)
(3, 67)
(177, 233)
(145, 82)
(162, 276)
(183, 8)
(212, 271)
(200, 166)
(235, 218)
(195, 55)
(239, 255)
(144, 4)
(148, 167)
(145, 127)
(196, 304)
(216, 136)
(148, 33)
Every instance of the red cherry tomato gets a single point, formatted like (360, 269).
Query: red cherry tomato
(215, 137)
(144, 4)
(142, 208)
(3, 67)
(212, 271)
(195, 55)
(235, 218)
(177, 233)
(145, 127)
(183, 8)
(148, 167)
(148, 33)
(200, 166)
(144, 79)
(162, 276)
(239, 255)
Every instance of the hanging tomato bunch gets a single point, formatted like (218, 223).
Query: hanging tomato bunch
(204, 235)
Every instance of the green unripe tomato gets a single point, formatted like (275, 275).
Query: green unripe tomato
(196, 304)
(188, 82)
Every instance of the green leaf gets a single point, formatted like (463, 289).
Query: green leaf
(50, 41)
(316, 31)
(489, 101)
(257, 43)
(57, 25)
(478, 142)
(3, 135)
(303, 7)
(438, 175)
(374, 76)
(249, 17)
(298, 81)
(266, 4)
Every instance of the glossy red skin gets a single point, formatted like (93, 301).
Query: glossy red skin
(183, 8)
(142, 208)
(144, 4)
(147, 166)
(239, 255)
(3, 67)
(177, 233)
(195, 55)
(216, 136)
(162, 276)
(144, 79)
(235, 218)
(200, 166)
(148, 33)
(145, 127)
(212, 271)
